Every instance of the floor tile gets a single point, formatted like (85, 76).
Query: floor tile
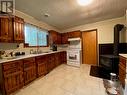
(65, 80)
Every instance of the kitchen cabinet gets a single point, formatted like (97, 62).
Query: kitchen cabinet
(41, 62)
(52, 37)
(12, 76)
(63, 57)
(58, 38)
(57, 59)
(51, 62)
(74, 34)
(15, 74)
(122, 70)
(11, 29)
(64, 38)
(29, 70)
(18, 29)
(6, 29)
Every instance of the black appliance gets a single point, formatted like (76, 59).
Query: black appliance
(53, 47)
(110, 62)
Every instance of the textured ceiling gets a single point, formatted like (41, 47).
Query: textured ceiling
(67, 13)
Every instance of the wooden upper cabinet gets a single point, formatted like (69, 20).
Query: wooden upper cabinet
(6, 30)
(64, 38)
(11, 29)
(74, 34)
(54, 37)
(58, 38)
(18, 29)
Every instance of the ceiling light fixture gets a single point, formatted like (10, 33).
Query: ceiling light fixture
(84, 2)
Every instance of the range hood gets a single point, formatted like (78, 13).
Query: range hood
(74, 39)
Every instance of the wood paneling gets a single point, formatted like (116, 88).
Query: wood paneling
(89, 47)
(107, 48)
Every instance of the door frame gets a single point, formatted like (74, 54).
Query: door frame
(97, 45)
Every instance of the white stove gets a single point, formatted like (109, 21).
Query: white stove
(74, 57)
(74, 53)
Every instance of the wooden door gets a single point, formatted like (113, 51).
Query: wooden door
(89, 43)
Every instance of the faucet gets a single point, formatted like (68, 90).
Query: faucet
(38, 50)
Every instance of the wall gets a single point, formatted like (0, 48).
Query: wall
(105, 29)
(29, 19)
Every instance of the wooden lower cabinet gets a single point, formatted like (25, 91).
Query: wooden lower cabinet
(57, 59)
(29, 70)
(63, 57)
(12, 76)
(41, 62)
(51, 62)
(15, 74)
(122, 70)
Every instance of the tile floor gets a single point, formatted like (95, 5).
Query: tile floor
(65, 80)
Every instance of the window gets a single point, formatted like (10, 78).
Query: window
(35, 36)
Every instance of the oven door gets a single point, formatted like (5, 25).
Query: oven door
(73, 56)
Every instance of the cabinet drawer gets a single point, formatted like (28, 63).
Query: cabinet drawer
(28, 60)
(13, 65)
(40, 59)
(29, 64)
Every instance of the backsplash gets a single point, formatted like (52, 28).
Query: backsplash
(14, 47)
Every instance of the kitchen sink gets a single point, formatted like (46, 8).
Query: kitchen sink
(9, 57)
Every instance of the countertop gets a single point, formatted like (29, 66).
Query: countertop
(124, 55)
(28, 56)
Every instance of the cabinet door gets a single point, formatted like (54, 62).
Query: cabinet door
(57, 59)
(13, 81)
(58, 38)
(63, 57)
(122, 74)
(52, 37)
(29, 70)
(51, 62)
(18, 29)
(6, 29)
(64, 38)
(13, 76)
(41, 65)
(74, 34)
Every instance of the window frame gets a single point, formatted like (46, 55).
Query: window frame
(27, 45)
